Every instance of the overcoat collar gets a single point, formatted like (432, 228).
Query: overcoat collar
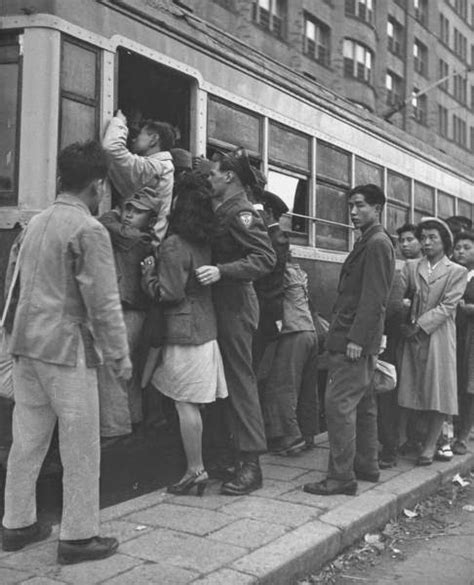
(440, 270)
(362, 241)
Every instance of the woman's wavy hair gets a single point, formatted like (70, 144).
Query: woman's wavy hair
(445, 236)
(192, 216)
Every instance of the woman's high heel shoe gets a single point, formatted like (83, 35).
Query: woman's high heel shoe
(183, 487)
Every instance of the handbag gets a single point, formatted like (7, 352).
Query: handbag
(6, 361)
(385, 377)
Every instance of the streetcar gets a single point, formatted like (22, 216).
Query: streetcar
(66, 65)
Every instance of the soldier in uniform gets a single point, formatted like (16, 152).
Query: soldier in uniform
(242, 253)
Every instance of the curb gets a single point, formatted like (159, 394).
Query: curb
(312, 545)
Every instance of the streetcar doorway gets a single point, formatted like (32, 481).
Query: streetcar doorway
(150, 90)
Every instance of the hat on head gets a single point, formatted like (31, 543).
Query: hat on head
(276, 204)
(239, 161)
(182, 159)
(441, 223)
(144, 199)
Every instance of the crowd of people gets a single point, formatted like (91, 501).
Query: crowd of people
(187, 287)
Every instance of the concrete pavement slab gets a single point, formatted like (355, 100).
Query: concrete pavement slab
(281, 472)
(96, 571)
(182, 550)
(42, 581)
(277, 512)
(249, 533)
(11, 576)
(296, 553)
(123, 530)
(186, 519)
(152, 574)
(227, 577)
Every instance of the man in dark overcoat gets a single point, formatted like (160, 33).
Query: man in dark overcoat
(353, 342)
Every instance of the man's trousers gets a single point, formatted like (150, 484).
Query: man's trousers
(237, 318)
(46, 393)
(290, 392)
(351, 416)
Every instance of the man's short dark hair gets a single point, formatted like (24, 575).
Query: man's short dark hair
(164, 130)
(407, 227)
(467, 235)
(81, 163)
(373, 194)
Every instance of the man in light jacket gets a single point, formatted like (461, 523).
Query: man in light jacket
(149, 165)
(67, 321)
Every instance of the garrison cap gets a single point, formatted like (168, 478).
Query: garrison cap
(144, 199)
(276, 204)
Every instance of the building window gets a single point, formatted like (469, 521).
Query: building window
(421, 11)
(460, 88)
(395, 36)
(394, 86)
(357, 61)
(443, 121)
(420, 107)
(10, 60)
(444, 29)
(460, 6)
(271, 15)
(472, 138)
(317, 40)
(420, 55)
(363, 9)
(459, 131)
(443, 72)
(472, 98)
(460, 44)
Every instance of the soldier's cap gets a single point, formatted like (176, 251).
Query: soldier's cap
(239, 161)
(276, 204)
(441, 223)
(144, 199)
(182, 159)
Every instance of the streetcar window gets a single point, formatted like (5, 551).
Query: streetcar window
(288, 147)
(397, 215)
(79, 118)
(147, 89)
(464, 208)
(445, 205)
(424, 201)
(9, 82)
(398, 187)
(366, 172)
(333, 178)
(294, 192)
(332, 163)
(231, 126)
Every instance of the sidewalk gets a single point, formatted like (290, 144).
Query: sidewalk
(270, 537)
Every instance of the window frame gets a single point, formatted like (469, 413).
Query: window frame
(273, 15)
(420, 58)
(395, 41)
(323, 31)
(77, 98)
(12, 197)
(355, 63)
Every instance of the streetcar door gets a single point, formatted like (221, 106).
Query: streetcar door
(147, 89)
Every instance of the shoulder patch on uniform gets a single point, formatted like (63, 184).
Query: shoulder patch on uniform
(246, 218)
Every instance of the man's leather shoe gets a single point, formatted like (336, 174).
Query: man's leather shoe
(321, 488)
(372, 476)
(18, 538)
(71, 552)
(247, 479)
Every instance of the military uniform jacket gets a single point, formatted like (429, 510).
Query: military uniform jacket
(241, 248)
(363, 291)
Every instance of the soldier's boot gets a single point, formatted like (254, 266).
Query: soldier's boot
(247, 479)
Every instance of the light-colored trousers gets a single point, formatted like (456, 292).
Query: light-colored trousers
(121, 400)
(46, 393)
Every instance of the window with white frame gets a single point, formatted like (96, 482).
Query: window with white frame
(460, 88)
(363, 9)
(442, 121)
(420, 55)
(421, 11)
(459, 130)
(460, 44)
(394, 86)
(420, 107)
(443, 71)
(271, 15)
(444, 29)
(394, 36)
(357, 61)
(317, 40)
